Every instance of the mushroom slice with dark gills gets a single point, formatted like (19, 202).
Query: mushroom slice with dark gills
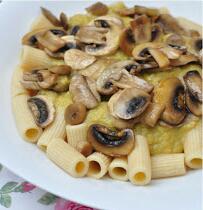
(42, 110)
(170, 93)
(117, 76)
(114, 143)
(84, 91)
(112, 37)
(141, 28)
(193, 82)
(38, 79)
(78, 59)
(127, 41)
(129, 103)
(156, 32)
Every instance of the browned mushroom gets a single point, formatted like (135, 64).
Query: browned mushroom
(52, 18)
(82, 93)
(64, 21)
(111, 142)
(127, 41)
(151, 12)
(141, 28)
(184, 59)
(98, 9)
(170, 94)
(128, 103)
(156, 32)
(60, 69)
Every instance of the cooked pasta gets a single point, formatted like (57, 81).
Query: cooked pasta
(118, 169)
(66, 157)
(139, 163)
(24, 120)
(33, 58)
(41, 22)
(76, 133)
(54, 130)
(16, 87)
(98, 165)
(193, 147)
(167, 165)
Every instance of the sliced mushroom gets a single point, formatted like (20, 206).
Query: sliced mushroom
(129, 103)
(152, 114)
(127, 41)
(38, 79)
(64, 21)
(141, 28)
(114, 26)
(60, 69)
(156, 33)
(126, 12)
(193, 82)
(98, 9)
(50, 41)
(95, 70)
(78, 59)
(194, 106)
(172, 52)
(184, 59)
(91, 34)
(73, 31)
(52, 18)
(111, 142)
(121, 124)
(117, 75)
(174, 40)
(42, 110)
(140, 10)
(170, 94)
(30, 38)
(170, 24)
(82, 93)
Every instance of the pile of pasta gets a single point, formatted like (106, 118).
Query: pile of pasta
(63, 143)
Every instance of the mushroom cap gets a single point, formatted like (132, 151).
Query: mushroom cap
(170, 93)
(129, 103)
(42, 110)
(112, 37)
(78, 59)
(110, 142)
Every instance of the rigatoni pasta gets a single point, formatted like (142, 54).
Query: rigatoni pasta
(25, 123)
(118, 169)
(193, 147)
(82, 95)
(98, 165)
(167, 165)
(139, 163)
(66, 157)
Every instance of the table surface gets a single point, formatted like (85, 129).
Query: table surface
(17, 194)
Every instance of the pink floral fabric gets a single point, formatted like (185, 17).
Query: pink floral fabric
(15, 191)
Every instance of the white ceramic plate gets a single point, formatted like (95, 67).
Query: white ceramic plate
(24, 159)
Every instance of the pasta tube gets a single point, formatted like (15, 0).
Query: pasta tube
(24, 120)
(167, 165)
(41, 22)
(54, 130)
(118, 169)
(139, 163)
(67, 158)
(193, 147)
(33, 58)
(16, 87)
(98, 165)
(77, 138)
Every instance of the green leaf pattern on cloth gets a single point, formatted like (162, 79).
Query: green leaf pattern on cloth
(47, 199)
(1, 167)
(5, 200)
